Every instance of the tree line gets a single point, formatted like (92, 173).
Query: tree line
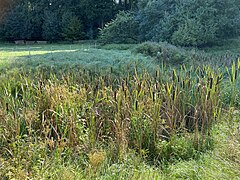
(55, 20)
(180, 22)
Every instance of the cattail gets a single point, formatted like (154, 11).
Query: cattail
(211, 83)
(139, 86)
(178, 78)
(123, 86)
(125, 93)
(173, 94)
(218, 80)
(96, 88)
(115, 95)
(156, 86)
(7, 108)
(136, 105)
(236, 73)
(86, 87)
(173, 76)
(183, 84)
(202, 74)
(189, 84)
(153, 96)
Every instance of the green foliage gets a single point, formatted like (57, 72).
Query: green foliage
(193, 33)
(51, 26)
(96, 16)
(24, 21)
(123, 29)
(231, 93)
(163, 52)
(118, 46)
(26, 18)
(17, 24)
(189, 22)
(84, 109)
(175, 149)
(197, 25)
(71, 27)
(74, 123)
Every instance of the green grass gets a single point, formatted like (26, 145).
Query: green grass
(60, 56)
(85, 112)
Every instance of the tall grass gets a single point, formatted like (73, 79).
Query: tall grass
(161, 116)
(141, 111)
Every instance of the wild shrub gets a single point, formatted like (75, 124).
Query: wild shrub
(163, 52)
(188, 22)
(123, 29)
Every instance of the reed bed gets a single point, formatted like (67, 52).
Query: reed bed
(166, 114)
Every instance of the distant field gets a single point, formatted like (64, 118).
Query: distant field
(66, 55)
(91, 55)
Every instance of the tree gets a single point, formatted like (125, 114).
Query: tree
(51, 29)
(71, 27)
(123, 29)
(89, 15)
(17, 24)
(188, 22)
(4, 6)
(24, 21)
(95, 13)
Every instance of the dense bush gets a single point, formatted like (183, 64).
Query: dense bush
(163, 52)
(184, 23)
(189, 22)
(123, 29)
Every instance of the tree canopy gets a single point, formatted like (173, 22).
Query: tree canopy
(58, 19)
(180, 22)
(189, 22)
(4, 6)
(184, 23)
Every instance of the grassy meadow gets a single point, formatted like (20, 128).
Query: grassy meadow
(86, 111)
(66, 56)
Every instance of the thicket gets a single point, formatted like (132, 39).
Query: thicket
(164, 52)
(123, 29)
(185, 23)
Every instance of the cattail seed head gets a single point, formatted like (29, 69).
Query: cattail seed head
(211, 83)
